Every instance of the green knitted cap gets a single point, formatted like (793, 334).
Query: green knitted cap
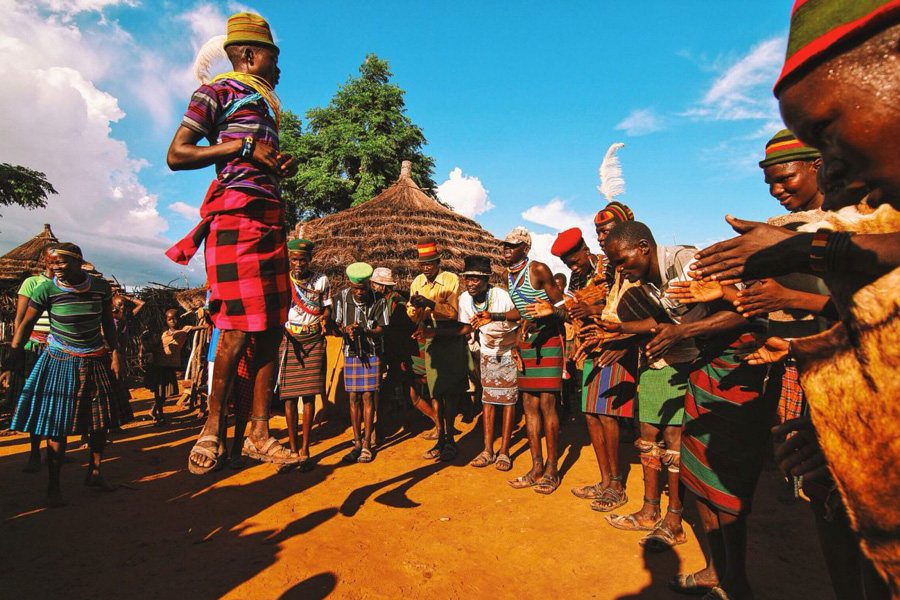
(359, 272)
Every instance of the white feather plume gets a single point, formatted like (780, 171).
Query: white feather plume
(209, 53)
(611, 181)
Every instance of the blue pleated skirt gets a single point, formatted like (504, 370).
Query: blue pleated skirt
(66, 395)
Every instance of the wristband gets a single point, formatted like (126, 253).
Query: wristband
(247, 146)
(560, 313)
(498, 316)
(817, 251)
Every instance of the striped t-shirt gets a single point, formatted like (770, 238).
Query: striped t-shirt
(42, 327)
(228, 110)
(75, 317)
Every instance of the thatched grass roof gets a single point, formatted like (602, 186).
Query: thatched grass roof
(383, 233)
(25, 260)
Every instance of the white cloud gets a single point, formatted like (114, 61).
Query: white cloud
(70, 8)
(558, 217)
(554, 215)
(191, 213)
(642, 121)
(744, 90)
(58, 121)
(465, 194)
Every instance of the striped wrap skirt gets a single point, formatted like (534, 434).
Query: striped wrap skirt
(302, 365)
(70, 395)
(362, 375)
(610, 390)
(726, 425)
(542, 357)
(661, 395)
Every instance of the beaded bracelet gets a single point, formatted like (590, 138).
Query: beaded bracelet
(817, 250)
(247, 146)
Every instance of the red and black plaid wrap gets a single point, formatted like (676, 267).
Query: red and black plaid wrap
(246, 259)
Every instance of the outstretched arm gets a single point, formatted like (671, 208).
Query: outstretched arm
(765, 251)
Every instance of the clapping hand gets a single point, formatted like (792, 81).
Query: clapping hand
(693, 291)
(480, 319)
(539, 309)
(773, 350)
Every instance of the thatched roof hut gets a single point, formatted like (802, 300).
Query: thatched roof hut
(383, 233)
(25, 260)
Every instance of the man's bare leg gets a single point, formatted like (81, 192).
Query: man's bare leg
(597, 435)
(487, 423)
(611, 445)
(531, 404)
(649, 513)
(266, 359)
(551, 432)
(231, 345)
(368, 402)
(309, 414)
(291, 415)
(509, 414)
(424, 407)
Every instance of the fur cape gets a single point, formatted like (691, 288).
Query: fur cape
(851, 377)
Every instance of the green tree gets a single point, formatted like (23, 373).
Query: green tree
(23, 187)
(351, 150)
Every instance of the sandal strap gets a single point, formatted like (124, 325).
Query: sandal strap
(208, 438)
(205, 452)
(268, 446)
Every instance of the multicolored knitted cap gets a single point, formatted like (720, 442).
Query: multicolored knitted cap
(300, 245)
(785, 148)
(359, 272)
(614, 211)
(817, 26)
(248, 28)
(426, 247)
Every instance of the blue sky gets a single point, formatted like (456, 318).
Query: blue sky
(523, 98)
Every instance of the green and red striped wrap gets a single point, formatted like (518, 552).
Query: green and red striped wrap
(542, 357)
(726, 424)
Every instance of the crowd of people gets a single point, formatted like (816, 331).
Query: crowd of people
(779, 341)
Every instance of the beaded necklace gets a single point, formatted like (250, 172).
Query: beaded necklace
(76, 288)
(304, 302)
(487, 303)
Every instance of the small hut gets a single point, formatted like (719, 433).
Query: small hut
(24, 261)
(383, 233)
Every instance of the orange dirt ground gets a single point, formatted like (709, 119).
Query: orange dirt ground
(399, 527)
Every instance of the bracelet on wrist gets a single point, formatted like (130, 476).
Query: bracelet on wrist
(559, 312)
(248, 144)
(498, 316)
(818, 250)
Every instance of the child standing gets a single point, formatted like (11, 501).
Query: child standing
(168, 361)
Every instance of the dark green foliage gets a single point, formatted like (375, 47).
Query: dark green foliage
(351, 150)
(23, 187)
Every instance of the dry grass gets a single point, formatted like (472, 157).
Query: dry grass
(383, 233)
